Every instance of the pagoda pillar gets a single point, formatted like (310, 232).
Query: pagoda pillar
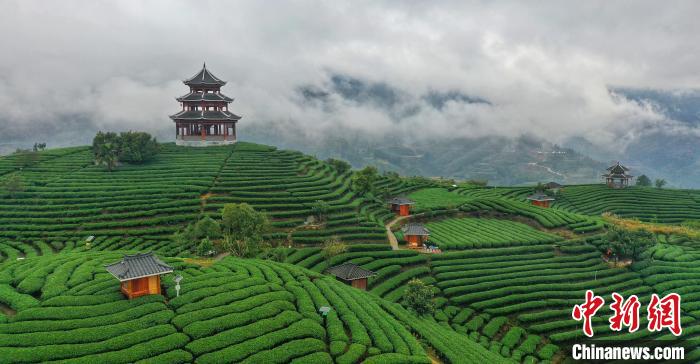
(204, 133)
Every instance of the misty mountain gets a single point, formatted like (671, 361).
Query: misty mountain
(672, 153)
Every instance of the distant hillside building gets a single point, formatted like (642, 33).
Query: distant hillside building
(617, 176)
(351, 274)
(553, 186)
(540, 199)
(401, 205)
(205, 118)
(139, 274)
(415, 235)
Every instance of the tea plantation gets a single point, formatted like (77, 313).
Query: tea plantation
(504, 283)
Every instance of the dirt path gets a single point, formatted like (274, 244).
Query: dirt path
(390, 234)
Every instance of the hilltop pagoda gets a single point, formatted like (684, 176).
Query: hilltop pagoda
(205, 118)
(617, 176)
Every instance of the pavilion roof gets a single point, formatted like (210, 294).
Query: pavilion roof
(401, 201)
(204, 78)
(138, 266)
(349, 271)
(204, 96)
(213, 115)
(552, 184)
(415, 229)
(539, 196)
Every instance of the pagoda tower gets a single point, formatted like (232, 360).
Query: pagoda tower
(204, 119)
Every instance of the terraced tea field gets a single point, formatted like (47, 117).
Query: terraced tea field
(504, 286)
(644, 203)
(67, 198)
(466, 233)
(247, 311)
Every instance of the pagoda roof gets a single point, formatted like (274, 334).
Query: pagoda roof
(350, 271)
(539, 196)
(204, 96)
(213, 115)
(401, 201)
(551, 185)
(415, 229)
(138, 266)
(204, 78)
(617, 171)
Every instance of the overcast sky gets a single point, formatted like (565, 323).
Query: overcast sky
(545, 67)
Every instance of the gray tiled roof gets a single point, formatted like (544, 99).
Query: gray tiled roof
(137, 266)
(204, 78)
(553, 185)
(415, 229)
(401, 201)
(205, 96)
(205, 115)
(349, 271)
(539, 196)
(617, 171)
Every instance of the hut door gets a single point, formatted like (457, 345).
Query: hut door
(140, 285)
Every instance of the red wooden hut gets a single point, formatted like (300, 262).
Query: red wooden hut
(401, 205)
(139, 274)
(540, 199)
(351, 274)
(415, 235)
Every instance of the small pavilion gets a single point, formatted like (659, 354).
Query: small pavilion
(553, 186)
(415, 235)
(540, 199)
(401, 205)
(139, 274)
(617, 176)
(351, 274)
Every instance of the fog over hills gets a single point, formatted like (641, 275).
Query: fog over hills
(465, 90)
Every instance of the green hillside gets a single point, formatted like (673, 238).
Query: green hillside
(505, 282)
(233, 311)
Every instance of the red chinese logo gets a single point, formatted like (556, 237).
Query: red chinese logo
(665, 313)
(662, 312)
(587, 310)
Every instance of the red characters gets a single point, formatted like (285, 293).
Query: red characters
(626, 313)
(587, 310)
(662, 312)
(665, 312)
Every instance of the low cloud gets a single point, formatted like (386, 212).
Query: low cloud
(414, 69)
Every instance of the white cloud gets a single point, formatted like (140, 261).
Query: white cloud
(545, 66)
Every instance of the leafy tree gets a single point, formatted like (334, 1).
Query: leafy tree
(24, 158)
(660, 183)
(39, 147)
(643, 181)
(418, 297)
(363, 180)
(204, 247)
(628, 244)
(332, 248)
(206, 227)
(137, 147)
(320, 208)
(539, 187)
(243, 229)
(13, 184)
(340, 165)
(106, 147)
